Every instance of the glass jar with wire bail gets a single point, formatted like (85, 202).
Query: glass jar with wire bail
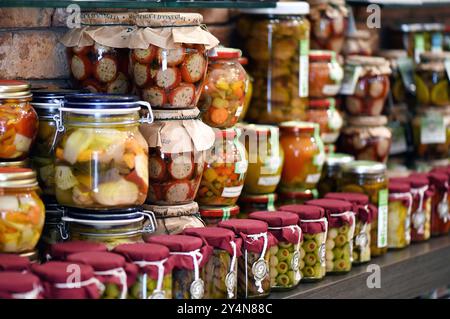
(101, 157)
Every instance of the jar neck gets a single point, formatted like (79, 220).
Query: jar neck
(101, 120)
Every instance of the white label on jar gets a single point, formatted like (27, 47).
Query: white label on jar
(383, 196)
(303, 76)
(432, 129)
(312, 178)
(232, 191)
(268, 180)
(239, 111)
(331, 89)
(351, 76)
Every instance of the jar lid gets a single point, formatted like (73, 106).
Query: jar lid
(243, 60)
(100, 261)
(103, 215)
(262, 199)
(320, 55)
(308, 194)
(368, 120)
(212, 235)
(60, 251)
(177, 243)
(163, 115)
(282, 8)
(47, 98)
(359, 34)
(438, 179)
(10, 89)
(276, 219)
(214, 211)
(142, 252)
(32, 256)
(260, 129)
(338, 159)
(16, 177)
(246, 226)
(399, 187)
(12, 262)
(167, 19)
(14, 282)
(364, 167)
(173, 211)
(332, 205)
(20, 164)
(58, 271)
(321, 103)
(99, 102)
(355, 198)
(224, 53)
(417, 27)
(442, 170)
(400, 180)
(298, 126)
(304, 212)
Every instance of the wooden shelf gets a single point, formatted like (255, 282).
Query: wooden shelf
(406, 273)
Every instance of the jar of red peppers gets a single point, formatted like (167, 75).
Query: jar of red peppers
(325, 74)
(213, 215)
(324, 113)
(253, 203)
(358, 43)
(440, 216)
(19, 285)
(18, 120)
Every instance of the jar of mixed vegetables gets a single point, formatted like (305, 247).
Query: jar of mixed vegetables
(248, 89)
(332, 172)
(154, 276)
(22, 212)
(276, 40)
(325, 74)
(254, 203)
(253, 266)
(18, 120)
(399, 215)
(220, 273)
(213, 215)
(19, 285)
(440, 216)
(358, 43)
(284, 262)
(60, 251)
(296, 197)
(324, 113)
(226, 167)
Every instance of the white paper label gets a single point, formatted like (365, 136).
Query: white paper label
(329, 138)
(271, 165)
(351, 76)
(268, 180)
(232, 191)
(432, 129)
(331, 89)
(312, 178)
(383, 196)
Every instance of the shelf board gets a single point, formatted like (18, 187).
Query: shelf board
(406, 273)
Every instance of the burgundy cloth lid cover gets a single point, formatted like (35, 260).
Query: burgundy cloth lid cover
(442, 170)
(276, 218)
(406, 180)
(416, 174)
(211, 235)
(304, 211)
(11, 262)
(418, 181)
(100, 261)
(399, 188)
(334, 206)
(438, 179)
(142, 252)
(177, 243)
(17, 282)
(245, 226)
(59, 271)
(62, 250)
(355, 198)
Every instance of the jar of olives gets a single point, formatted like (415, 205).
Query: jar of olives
(325, 74)
(254, 203)
(332, 172)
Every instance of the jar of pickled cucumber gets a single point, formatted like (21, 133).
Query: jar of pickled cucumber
(358, 43)
(20, 285)
(189, 254)
(398, 90)
(296, 197)
(369, 178)
(421, 209)
(60, 251)
(303, 156)
(265, 158)
(154, 274)
(13, 262)
(284, 262)
(253, 266)
(324, 113)
(276, 40)
(332, 172)
(22, 211)
(18, 120)
(440, 216)
(325, 74)
(399, 215)
(341, 228)
(254, 203)
(314, 227)
(213, 215)
(220, 272)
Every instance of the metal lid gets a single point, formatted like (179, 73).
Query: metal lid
(103, 215)
(11, 89)
(47, 98)
(100, 101)
(282, 8)
(22, 164)
(298, 126)
(225, 53)
(338, 159)
(14, 177)
(417, 27)
(364, 167)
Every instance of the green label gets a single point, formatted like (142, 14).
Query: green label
(270, 202)
(398, 144)
(406, 67)
(419, 46)
(383, 196)
(351, 76)
(226, 213)
(432, 129)
(303, 68)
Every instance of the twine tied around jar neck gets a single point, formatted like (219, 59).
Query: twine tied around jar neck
(158, 293)
(81, 284)
(418, 217)
(231, 276)
(198, 283)
(259, 273)
(32, 294)
(442, 207)
(120, 274)
(409, 198)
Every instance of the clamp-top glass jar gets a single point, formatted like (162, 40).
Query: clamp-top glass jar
(101, 157)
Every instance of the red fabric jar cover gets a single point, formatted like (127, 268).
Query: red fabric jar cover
(442, 170)
(183, 244)
(400, 192)
(60, 251)
(217, 237)
(283, 220)
(11, 262)
(305, 213)
(12, 282)
(399, 187)
(418, 182)
(439, 181)
(146, 252)
(56, 273)
(332, 207)
(361, 206)
(246, 228)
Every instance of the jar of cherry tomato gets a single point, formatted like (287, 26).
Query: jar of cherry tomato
(324, 113)
(325, 74)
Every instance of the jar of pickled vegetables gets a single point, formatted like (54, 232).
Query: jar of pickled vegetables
(314, 227)
(440, 216)
(223, 97)
(328, 24)
(431, 79)
(19, 285)
(358, 43)
(325, 74)
(22, 212)
(369, 178)
(13, 262)
(248, 89)
(399, 216)
(284, 262)
(101, 157)
(332, 172)
(60, 251)
(18, 120)
(398, 90)
(303, 156)
(254, 203)
(366, 138)
(366, 85)
(213, 215)
(421, 209)
(324, 113)
(220, 272)
(276, 40)
(296, 197)
(265, 158)
(341, 228)
(190, 255)
(253, 266)
(226, 167)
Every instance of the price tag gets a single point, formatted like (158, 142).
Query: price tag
(313, 178)
(303, 76)
(351, 76)
(432, 129)
(398, 144)
(382, 218)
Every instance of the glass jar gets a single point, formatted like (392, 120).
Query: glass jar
(18, 120)
(254, 203)
(111, 227)
(366, 138)
(419, 38)
(248, 89)
(296, 197)
(398, 90)
(189, 255)
(22, 212)
(277, 42)
(431, 79)
(223, 95)
(303, 156)
(20, 285)
(440, 216)
(367, 85)
(332, 172)
(421, 209)
(154, 273)
(253, 266)
(358, 43)
(220, 272)
(341, 228)
(53, 231)
(399, 216)
(314, 227)
(101, 157)
(369, 178)
(324, 113)
(213, 215)
(60, 251)
(226, 167)
(325, 74)
(328, 23)
(265, 158)
(284, 262)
